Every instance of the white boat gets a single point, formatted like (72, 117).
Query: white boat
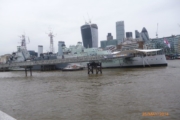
(73, 67)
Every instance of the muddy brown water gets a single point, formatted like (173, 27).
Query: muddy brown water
(117, 94)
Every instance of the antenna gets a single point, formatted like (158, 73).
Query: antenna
(157, 31)
(50, 34)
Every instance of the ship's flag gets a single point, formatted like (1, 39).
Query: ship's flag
(167, 43)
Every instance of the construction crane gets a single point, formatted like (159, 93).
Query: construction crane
(157, 31)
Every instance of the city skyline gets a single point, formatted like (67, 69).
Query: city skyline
(35, 18)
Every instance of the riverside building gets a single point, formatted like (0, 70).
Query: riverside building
(173, 48)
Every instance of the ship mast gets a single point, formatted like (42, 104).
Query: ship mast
(23, 41)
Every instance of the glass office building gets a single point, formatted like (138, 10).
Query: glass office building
(106, 43)
(137, 34)
(158, 43)
(89, 34)
(129, 35)
(120, 31)
(144, 34)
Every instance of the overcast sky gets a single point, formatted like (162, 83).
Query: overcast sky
(65, 17)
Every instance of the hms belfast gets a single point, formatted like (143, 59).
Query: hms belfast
(89, 34)
(138, 55)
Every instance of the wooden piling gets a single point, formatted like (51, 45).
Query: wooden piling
(26, 70)
(98, 68)
(30, 71)
(90, 68)
(94, 65)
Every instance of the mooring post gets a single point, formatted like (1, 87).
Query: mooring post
(98, 68)
(30, 71)
(90, 68)
(25, 71)
(101, 67)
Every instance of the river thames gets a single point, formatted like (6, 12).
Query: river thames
(117, 94)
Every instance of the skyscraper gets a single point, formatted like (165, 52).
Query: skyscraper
(137, 34)
(129, 35)
(144, 34)
(89, 34)
(109, 36)
(120, 31)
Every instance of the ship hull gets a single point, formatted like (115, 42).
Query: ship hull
(157, 60)
(147, 61)
(39, 68)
